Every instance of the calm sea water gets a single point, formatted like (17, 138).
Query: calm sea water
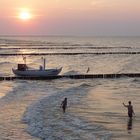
(30, 110)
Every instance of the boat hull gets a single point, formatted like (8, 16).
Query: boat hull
(37, 73)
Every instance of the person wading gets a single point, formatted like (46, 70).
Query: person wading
(130, 109)
(64, 105)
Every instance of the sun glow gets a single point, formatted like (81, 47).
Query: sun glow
(25, 15)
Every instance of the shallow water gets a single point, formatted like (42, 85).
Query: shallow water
(30, 110)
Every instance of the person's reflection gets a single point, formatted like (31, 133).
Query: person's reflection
(129, 125)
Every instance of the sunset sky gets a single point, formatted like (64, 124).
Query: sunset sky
(70, 17)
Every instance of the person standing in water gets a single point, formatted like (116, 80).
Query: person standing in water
(130, 109)
(64, 105)
(87, 70)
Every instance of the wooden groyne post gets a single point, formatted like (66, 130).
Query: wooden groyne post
(78, 76)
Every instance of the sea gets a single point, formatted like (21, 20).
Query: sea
(30, 109)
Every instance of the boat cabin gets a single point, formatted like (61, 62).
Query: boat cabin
(22, 67)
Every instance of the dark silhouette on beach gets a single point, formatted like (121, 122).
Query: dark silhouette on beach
(64, 105)
(88, 70)
(130, 109)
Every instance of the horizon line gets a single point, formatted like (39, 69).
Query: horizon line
(35, 35)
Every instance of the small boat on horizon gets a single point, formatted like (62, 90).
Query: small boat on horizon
(24, 70)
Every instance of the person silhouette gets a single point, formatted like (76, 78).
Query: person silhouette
(88, 70)
(64, 105)
(130, 109)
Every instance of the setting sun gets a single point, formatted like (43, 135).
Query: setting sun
(25, 15)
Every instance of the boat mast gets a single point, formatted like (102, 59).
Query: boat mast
(44, 63)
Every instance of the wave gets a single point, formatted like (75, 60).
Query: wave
(6, 62)
(136, 80)
(71, 72)
(46, 120)
(85, 85)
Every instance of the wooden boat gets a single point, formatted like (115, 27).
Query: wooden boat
(23, 70)
(37, 73)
